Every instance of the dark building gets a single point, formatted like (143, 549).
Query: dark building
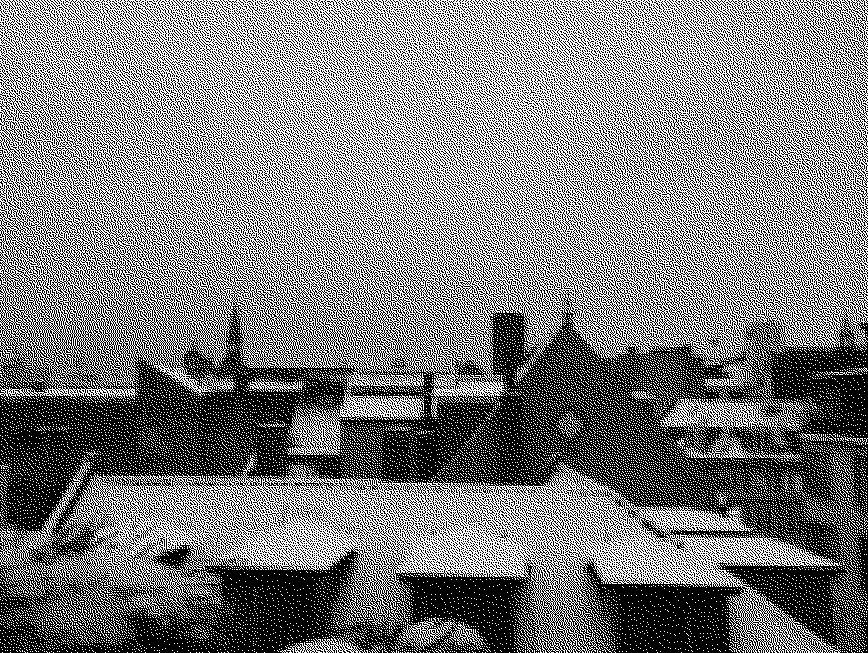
(840, 400)
(846, 337)
(569, 406)
(43, 437)
(794, 371)
(188, 431)
(507, 345)
(669, 374)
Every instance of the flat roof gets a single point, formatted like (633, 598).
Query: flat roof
(457, 554)
(749, 415)
(741, 455)
(382, 381)
(724, 383)
(855, 371)
(686, 521)
(470, 390)
(757, 553)
(641, 559)
(276, 386)
(90, 393)
(211, 384)
(183, 378)
(297, 544)
(393, 523)
(834, 438)
(381, 407)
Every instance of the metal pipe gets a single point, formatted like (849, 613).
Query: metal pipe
(74, 491)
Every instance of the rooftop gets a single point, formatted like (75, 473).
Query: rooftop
(676, 521)
(381, 407)
(691, 413)
(834, 438)
(853, 371)
(592, 536)
(277, 387)
(756, 553)
(207, 385)
(86, 393)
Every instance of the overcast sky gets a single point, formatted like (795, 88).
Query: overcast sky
(369, 181)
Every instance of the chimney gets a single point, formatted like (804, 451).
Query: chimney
(568, 321)
(507, 345)
(427, 404)
(847, 339)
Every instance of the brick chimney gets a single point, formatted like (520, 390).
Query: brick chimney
(568, 320)
(427, 401)
(507, 345)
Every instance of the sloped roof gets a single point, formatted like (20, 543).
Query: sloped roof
(498, 452)
(619, 444)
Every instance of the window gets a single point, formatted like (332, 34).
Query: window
(860, 478)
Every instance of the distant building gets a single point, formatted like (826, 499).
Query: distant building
(668, 374)
(839, 400)
(191, 428)
(846, 337)
(795, 370)
(834, 524)
(45, 433)
(569, 406)
(763, 342)
(384, 430)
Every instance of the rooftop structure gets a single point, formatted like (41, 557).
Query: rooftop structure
(580, 579)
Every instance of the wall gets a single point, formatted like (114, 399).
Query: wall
(830, 504)
(362, 448)
(226, 433)
(849, 594)
(42, 464)
(757, 626)
(170, 431)
(456, 423)
(495, 454)
(184, 432)
(793, 369)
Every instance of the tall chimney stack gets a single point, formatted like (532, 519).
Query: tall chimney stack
(427, 402)
(568, 321)
(507, 345)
